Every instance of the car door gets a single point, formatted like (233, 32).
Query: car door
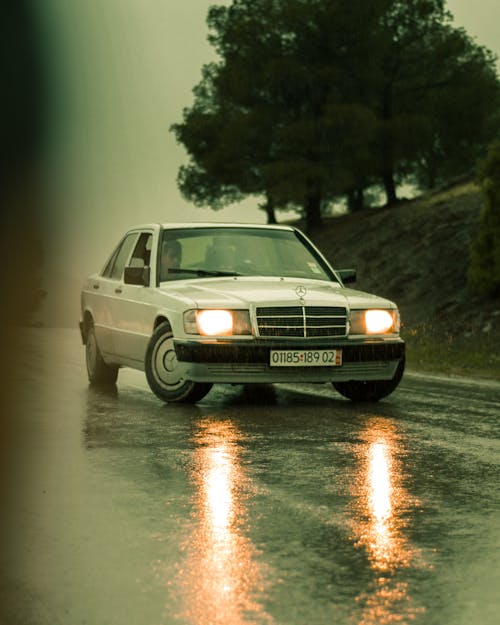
(133, 314)
(101, 292)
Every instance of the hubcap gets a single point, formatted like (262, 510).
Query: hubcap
(165, 365)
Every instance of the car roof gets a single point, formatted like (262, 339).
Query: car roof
(209, 224)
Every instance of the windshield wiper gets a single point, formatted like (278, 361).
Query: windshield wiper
(203, 272)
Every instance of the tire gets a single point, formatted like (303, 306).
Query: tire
(98, 371)
(371, 390)
(162, 371)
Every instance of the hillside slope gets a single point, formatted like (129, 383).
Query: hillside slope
(417, 255)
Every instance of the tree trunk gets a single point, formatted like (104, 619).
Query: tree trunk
(390, 187)
(430, 170)
(355, 200)
(388, 148)
(268, 207)
(314, 221)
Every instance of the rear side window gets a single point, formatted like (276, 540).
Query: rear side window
(114, 268)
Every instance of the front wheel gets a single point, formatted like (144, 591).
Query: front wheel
(163, 372)
(98, 371)
(371, 390)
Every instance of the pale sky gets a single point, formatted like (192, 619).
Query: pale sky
(122, 72)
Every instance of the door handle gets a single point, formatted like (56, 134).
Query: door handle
(118, 290)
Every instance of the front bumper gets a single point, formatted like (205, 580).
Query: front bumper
(246, 362)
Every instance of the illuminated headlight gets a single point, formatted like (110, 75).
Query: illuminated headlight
(214, 322)
(374, 322)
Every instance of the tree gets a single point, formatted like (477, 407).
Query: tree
(315, 99)
(402, 48)
(436, 96)
(272, 118)
(484, 269)
(226, 131)
(224, 143)
(463, 111)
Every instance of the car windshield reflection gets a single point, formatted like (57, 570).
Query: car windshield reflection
(209, 252)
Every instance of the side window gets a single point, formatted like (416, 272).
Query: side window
(116, 266)
(106, 272)
(142, 252)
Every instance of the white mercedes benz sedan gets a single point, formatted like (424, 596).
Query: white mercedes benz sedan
(198, 304)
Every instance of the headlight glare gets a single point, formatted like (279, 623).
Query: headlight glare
(214, 322)
(378, 321)
(217, 322)
(374, 321)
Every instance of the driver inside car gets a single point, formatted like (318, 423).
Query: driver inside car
(171, 257)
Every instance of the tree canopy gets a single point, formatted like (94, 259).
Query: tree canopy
(312, 100)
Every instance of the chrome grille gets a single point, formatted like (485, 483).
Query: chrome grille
(301, 321)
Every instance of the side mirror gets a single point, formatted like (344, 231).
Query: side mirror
(137, 275)
(347, 275)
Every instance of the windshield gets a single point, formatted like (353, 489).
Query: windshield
(206, 252)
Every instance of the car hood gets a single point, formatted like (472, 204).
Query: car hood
(242, 292)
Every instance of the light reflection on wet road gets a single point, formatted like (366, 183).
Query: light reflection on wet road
(226, 590)
(260, 505)
(380, 509)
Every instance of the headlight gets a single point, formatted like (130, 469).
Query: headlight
(374, 322)
(215, 322)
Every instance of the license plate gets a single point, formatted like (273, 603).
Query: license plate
(305, 358)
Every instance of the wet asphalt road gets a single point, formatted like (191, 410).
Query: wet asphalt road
(272, 505)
